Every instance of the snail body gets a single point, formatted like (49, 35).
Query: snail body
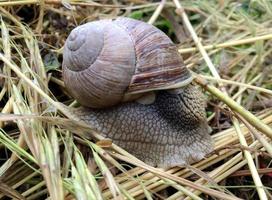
(109, 64)
(166, 133)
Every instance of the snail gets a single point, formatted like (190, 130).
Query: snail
(134, 88)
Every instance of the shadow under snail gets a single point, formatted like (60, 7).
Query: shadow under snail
(134, 89)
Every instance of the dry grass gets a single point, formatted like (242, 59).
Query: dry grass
(44, 154)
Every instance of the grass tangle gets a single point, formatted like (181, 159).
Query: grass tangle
(45, 154)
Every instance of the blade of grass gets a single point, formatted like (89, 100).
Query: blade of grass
(256, 178)
(257, 123)
(228, 44)
(157, 12)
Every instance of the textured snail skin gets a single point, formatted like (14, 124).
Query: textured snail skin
(171, 131)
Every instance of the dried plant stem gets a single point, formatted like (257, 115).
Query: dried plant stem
(257, 123)
(29, 82)
(249, 158)
(228, 44)
(41, 15)
(261, 139)
(3, 92)
(214, 72)
(129, 157)
(14, 3)
(247, 172)
(250, 162)
(227, 168)
(57, 2)
(34, 188)
(7, 108)
(180, 180)
(157, 12)
(254, 121)
(260, 89)
(197, 41)
(187, 192)
(243, 88)
(157, 184)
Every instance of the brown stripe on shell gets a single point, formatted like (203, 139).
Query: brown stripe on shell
(158, 63)
(158, 79)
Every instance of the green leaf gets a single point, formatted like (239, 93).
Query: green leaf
(51, 62)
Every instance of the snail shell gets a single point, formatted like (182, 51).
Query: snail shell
(106, 61)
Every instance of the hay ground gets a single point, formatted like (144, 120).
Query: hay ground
(44, 155)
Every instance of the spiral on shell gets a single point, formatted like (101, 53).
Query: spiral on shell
(104, 61)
